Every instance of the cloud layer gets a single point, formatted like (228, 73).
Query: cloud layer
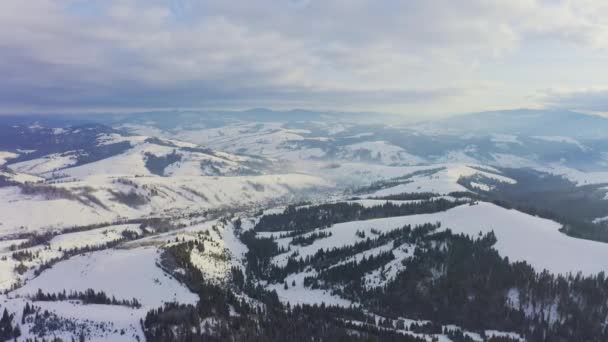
(409, 56)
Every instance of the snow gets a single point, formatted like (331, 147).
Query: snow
(571, 174)
(6, 244)
(343, 234)
(495, 333)
(299, 294)
(512, 161)
(234, 246)
(562, 139)
(505, 139)
(94, 237)
(5, 156)
(131, 162)
(360, 135)
(102, 322)
(577, 176)
(443, 181)
(21, 177)
(186, 188)
(165, 196)
(385, 152)
(145, 130)
(457, 156)
(190, 165)
(55, 249)
(125, 274)
(213, 261)
(481, 186)
(114, 138)
(380, 277)
(46, 164)
(43, 213)
(600, 219)
(356, 173)
(118, 317)
(251, 138)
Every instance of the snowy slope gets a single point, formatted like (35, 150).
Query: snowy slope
(46, 164)
(5, 156)
(521, 237)
(381, 151)
(126, 274)
(562, 139)
(153, 196)
(444, 181)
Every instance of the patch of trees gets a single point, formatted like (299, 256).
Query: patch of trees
(259, 253)
(324, 215)
(210, 167)
(83, 195)
(456, 335)
(5, 181)
(44, 238)
(43, 141)
(261, 250)
(157, 164)
(408, 196)
(308, 239)
(88, 296)
(25, 255)
(35, 239)
(159, 225)
(349, 271)
(220, 315)
(273, 323)
(47, 191)
(459, 280)
(44, 323)
(8, 329)
(132, 198)
(453, 279)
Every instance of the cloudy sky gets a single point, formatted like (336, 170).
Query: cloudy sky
(416, 58)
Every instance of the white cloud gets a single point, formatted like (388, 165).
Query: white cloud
(338, 53)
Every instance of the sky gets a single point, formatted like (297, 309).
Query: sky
(416, 58)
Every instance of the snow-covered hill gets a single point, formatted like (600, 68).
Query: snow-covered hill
(96, 207)
(513, 139)
(114, 176)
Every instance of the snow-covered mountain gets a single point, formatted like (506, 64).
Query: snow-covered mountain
(564, 143)
(91, 174)
(110, 227)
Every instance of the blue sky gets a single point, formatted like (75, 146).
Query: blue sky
(415, 58)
